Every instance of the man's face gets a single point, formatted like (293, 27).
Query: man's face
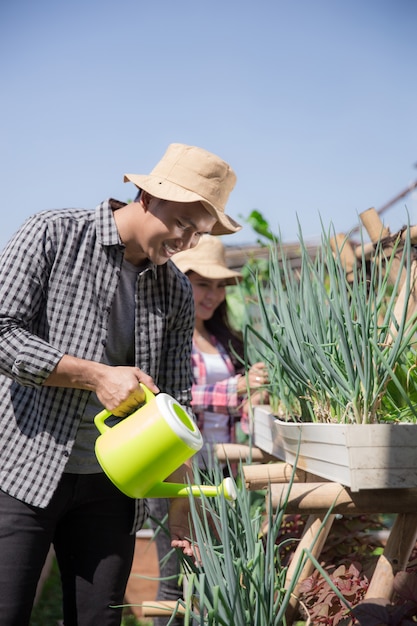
(168, 227)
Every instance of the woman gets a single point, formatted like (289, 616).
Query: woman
(220, 391)
(220, 387)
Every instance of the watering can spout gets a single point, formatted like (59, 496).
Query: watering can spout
(178, 490)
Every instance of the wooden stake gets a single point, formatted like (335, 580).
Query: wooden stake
(400, 544)
(343, 248)
(374, 226)
(377, 231)
(407, 297)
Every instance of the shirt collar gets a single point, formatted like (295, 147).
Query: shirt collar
(107, 232)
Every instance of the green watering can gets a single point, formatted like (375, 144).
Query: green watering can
(140, 451)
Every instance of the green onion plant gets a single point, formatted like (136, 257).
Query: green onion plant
(240, 578)
(336, 349)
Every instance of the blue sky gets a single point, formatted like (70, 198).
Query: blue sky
(312, 102)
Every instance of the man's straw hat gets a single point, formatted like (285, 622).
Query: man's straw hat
(190, 174)
(207, 259)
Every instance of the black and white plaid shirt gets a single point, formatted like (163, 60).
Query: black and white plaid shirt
(58, 276)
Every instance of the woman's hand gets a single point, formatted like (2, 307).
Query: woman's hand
(257, 376)
(180, 527)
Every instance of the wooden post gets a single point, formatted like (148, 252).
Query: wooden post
(374, 226)
(261, 476)
(365, 251)
(377, 231)
(235, 452)
(314, 538)
(412, 234)
(343, 248)
(400, 543)
(316, 498)
(164, 608)
(407, 296)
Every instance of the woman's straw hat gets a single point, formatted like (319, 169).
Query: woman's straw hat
(207, 259)
(190, 174)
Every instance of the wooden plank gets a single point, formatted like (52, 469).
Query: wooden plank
(317, 498)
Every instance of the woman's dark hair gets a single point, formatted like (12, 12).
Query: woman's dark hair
(231, 339)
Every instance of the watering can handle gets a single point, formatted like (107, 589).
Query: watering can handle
(178, 490)
(101, 417)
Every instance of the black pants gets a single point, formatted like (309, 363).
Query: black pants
(88, 521)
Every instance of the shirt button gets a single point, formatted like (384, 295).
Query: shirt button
(103, 342)
(66, 453)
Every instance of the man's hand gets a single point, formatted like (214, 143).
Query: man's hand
(119, 391)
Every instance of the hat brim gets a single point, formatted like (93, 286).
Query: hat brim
(165, 190)
(212, 271)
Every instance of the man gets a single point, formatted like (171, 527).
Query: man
(90, 306)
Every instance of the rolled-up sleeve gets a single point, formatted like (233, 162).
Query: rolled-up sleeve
(24, 355)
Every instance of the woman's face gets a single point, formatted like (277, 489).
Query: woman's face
(208, 295)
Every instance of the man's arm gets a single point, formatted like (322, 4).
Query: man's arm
(117, 388)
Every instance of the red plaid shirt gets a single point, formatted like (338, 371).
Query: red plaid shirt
(219, 397)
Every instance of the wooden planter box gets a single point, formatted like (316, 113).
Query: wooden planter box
(359, 456)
